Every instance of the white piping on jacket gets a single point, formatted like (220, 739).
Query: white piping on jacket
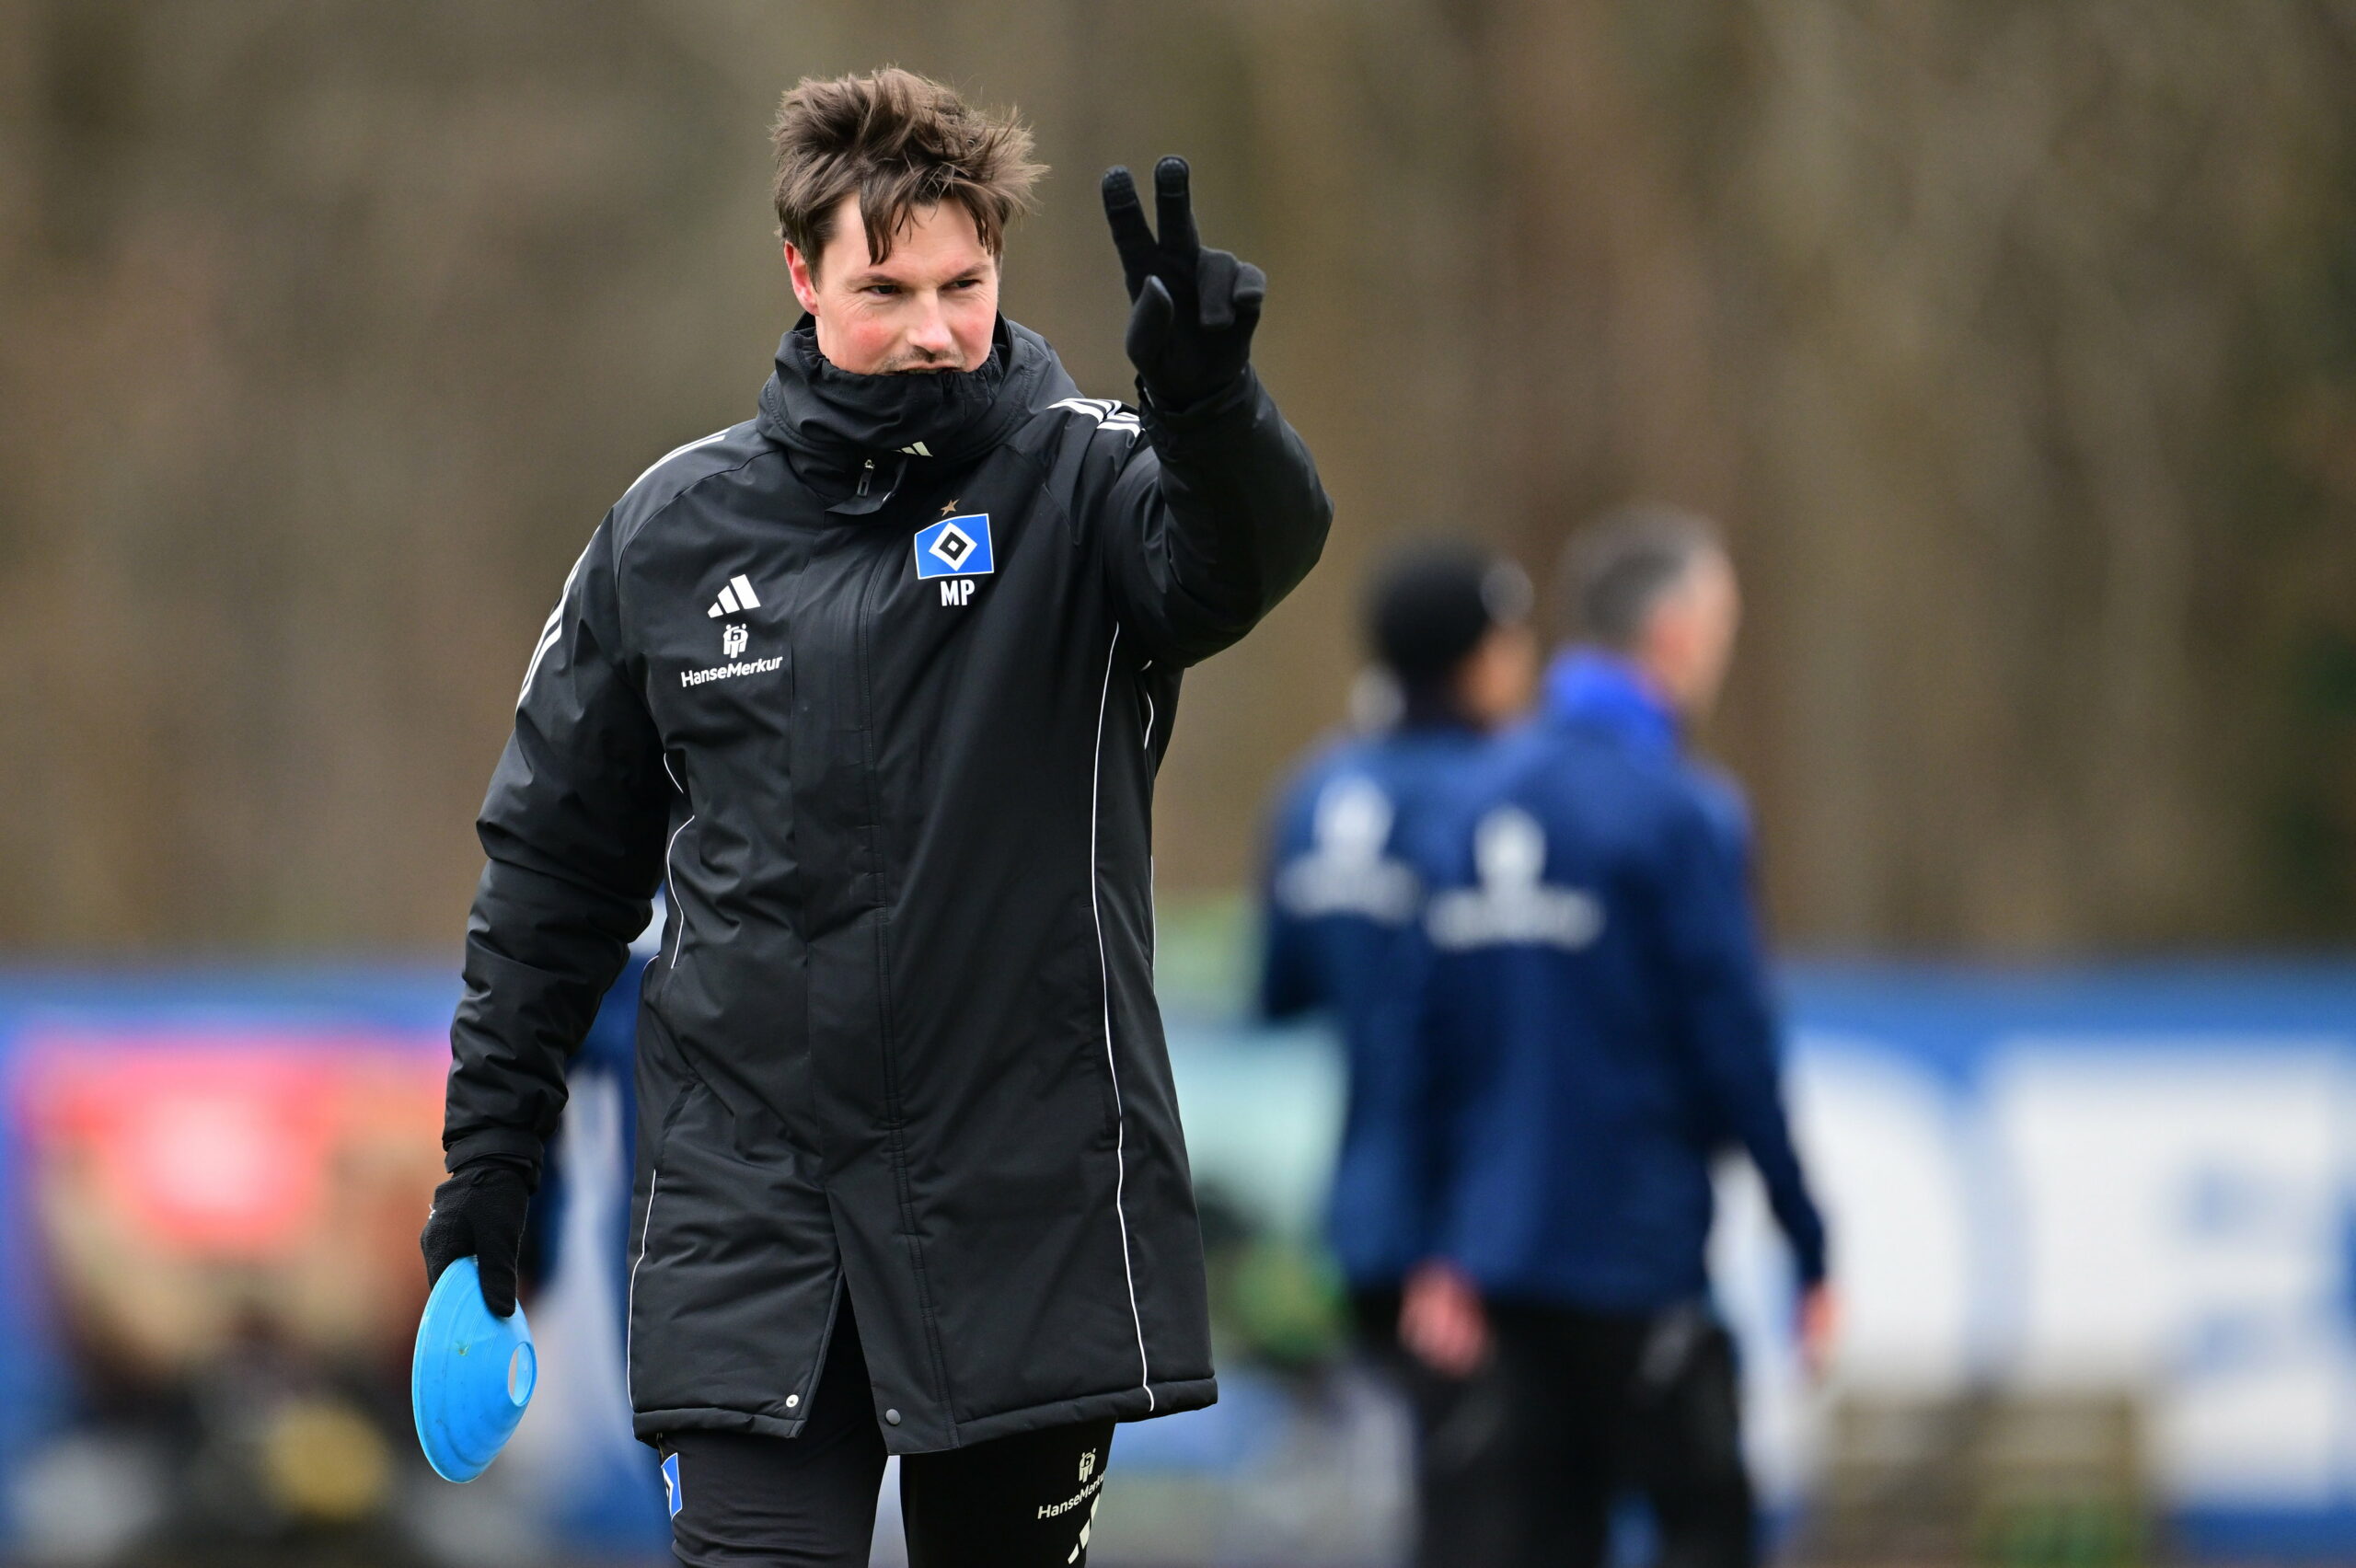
(671, 889)
(675, 451)
(552, 629)
(1104, 976)
(629, 1299)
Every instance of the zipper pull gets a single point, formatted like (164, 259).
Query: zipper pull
(866, 476)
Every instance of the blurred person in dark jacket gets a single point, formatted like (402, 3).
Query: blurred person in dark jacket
(1449, 630)
(1596, 1030)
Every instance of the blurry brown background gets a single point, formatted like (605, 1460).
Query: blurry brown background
(2017, 343)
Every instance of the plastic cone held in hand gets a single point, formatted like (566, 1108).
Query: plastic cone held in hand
(472, 1375)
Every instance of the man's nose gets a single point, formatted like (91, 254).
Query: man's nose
(929, 332)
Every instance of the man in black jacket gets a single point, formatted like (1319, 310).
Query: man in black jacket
(875, 685)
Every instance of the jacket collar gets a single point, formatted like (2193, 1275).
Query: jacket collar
(1593, 689)
(852, 437)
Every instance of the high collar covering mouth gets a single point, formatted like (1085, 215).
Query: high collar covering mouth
(835, 417)
(1588, 686)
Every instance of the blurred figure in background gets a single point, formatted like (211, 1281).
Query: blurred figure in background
(1449, 627)
(1597, 1027)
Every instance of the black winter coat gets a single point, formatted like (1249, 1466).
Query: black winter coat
(875, 685)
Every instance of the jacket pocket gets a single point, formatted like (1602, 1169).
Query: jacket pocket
(734, 1277)
(665, 962)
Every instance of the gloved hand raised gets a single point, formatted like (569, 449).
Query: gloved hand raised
(1192, 310)
(479, 1214)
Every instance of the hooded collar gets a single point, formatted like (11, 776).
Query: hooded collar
(834, 424)
(1589, 687)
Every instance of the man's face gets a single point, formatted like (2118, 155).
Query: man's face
(1689, 640)
(1493, 682)
(930, 306)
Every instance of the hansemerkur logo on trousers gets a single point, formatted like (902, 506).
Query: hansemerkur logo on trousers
(735, 597)
(1090, 1481)
(956, 549)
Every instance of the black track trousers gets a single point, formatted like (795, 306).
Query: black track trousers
(740, 1499)
(1604, 1404)
(1464, 1493)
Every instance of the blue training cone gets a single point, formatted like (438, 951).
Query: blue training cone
(471, 1377)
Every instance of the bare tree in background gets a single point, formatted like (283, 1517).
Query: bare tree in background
(2013, 338)
(2016, 342)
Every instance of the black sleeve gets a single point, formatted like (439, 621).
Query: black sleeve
(1210, 521)
(573, 829)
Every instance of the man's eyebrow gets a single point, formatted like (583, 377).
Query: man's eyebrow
(870, 275)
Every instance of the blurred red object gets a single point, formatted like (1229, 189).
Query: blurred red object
(219, 1146)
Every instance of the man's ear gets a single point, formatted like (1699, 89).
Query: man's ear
(804, 280)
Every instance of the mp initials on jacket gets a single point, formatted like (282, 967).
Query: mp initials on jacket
(873, 687)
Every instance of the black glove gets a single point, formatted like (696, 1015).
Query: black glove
(479, 1214)
(1191, 310)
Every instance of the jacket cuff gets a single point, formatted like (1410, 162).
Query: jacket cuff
(506, 1144)
(1243, 393)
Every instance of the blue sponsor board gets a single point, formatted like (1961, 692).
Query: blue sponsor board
(2143, 1176)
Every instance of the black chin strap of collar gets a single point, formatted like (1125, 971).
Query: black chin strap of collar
(852, 436)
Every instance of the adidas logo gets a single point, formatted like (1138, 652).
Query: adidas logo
(738, 595)
(1106, 412)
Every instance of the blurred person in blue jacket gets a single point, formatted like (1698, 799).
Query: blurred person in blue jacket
(1597, 1028)
(1447, 623)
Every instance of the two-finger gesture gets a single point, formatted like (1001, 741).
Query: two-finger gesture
(1191, 310)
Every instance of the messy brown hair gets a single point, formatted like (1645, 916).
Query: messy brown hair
(899, 141)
